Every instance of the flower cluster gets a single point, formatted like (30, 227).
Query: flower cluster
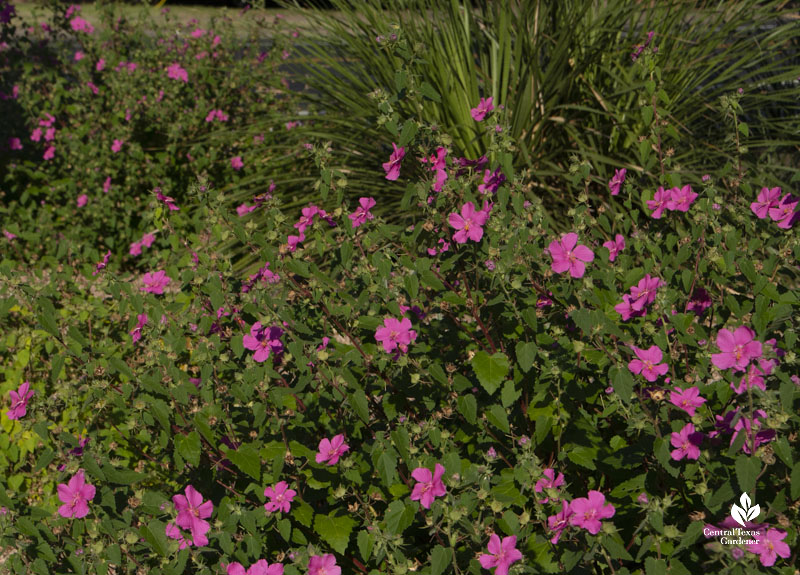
(642, 295)
(782, 210)
(674, 199)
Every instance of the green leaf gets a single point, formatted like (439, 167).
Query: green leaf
(247, 459)
(155, 534)
(526, 355)
(622, 381)
(430, 92)
(399, 517)
(188, 447)
(408, 133)
(440, 559)
(490, 369)
(387, 466)
(647, 115)
(747, 469)
(583, 456)
(616, 549)
(334, 530)
(468, 407)
(497, 416)
(122, 476)
(796, 481)
(654, 566)
(47, 316)
(358, 399)
(365, 543)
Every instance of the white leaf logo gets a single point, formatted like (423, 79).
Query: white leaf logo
(744, 513)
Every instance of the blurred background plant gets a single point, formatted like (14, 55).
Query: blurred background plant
(563, 73)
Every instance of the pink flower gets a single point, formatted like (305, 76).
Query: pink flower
(439, 166)
(362, 213)
(647, 363)
(36, 135)
(280, 497)
(14, 144)
(767, 199)
(392, 167)
(738, 348)
(244, 209)
(175, 72)
(75, 496)
(78, 24)
(323, 565)
(50, 135)
(260, 567)
(101, 64)
(588, 511)
(198, 33)
(560, 521)
(136, 333)
(173, 532)
(484, 107)
(330, 450)
(79, 56)
(686, 442)
(9, 236)
(644, 293)
(264, 341)
(169, 202)
(49, 153)
(237, 163)
(83, 199)
(660, 202)
(155, 282)
(19, 401)
(191, 514)
(95, 90)
(753, 378)
(102, 265)
(117, 145)
(469, 223)
(566, 256)
(681, 199)
(549, 481)
(615, 183)
(395, 334)
(615, 246)
(135, 249)
(770, 547)
(293, 241)
(503, 554)
(429, 486)
(784, 212)
(686, 399)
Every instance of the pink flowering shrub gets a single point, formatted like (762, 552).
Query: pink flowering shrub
(478, 389)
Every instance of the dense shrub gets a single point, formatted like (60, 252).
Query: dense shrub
(97, 118)
(479, 390)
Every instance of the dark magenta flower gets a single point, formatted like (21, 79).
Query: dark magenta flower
(141, 321)
(491, 181)
(169, 202)
(237, 163)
